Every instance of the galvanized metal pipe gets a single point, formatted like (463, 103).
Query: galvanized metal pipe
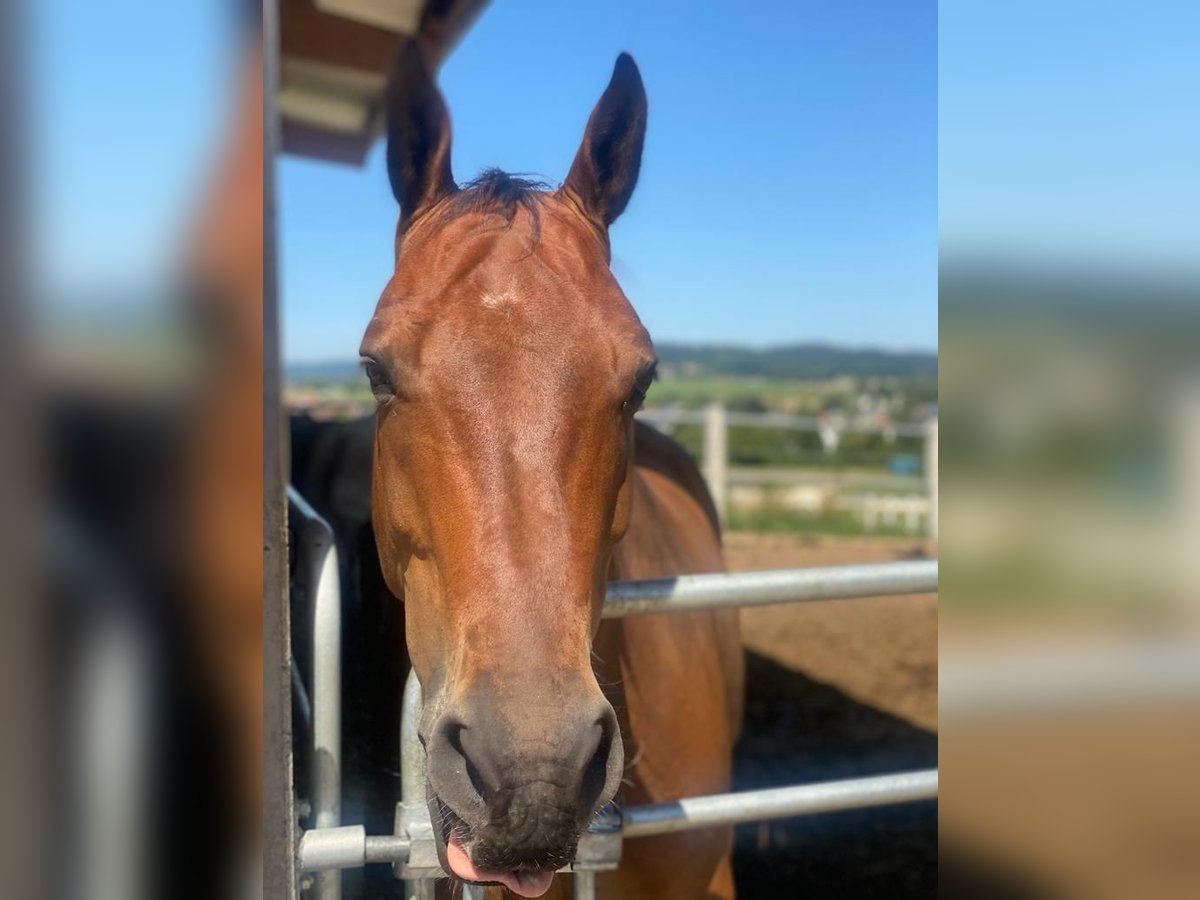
(412, 815)
(348, 846)
(583, 885)
(721, 591)
(320, 550)
(779, 803)
(385, 848)
(412, 754)
(324, 849)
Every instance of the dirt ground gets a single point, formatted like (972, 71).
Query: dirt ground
(837, 690)
(881, 651)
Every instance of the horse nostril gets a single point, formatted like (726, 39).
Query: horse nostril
(596, 770)
(454, 738)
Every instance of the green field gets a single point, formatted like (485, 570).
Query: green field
(776, 447)
(838, 523)
(743, 394)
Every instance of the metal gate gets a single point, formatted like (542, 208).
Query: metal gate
(411, 850)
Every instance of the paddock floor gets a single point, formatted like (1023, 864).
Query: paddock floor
(837, 690)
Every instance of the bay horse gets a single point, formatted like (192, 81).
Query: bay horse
(510, 482)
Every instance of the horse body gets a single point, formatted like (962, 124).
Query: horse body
(510, 481)
(678, 689)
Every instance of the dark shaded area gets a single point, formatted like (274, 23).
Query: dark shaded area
(798, 730)
(110, 554)
(965, 875)
(331, 467)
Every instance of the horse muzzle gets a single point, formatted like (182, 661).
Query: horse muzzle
(509, 801)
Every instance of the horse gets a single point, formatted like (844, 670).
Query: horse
(510, 481)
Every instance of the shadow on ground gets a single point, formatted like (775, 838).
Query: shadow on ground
(799, 730)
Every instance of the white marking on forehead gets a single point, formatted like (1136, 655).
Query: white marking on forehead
(500, 299)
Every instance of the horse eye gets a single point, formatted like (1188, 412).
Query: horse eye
(380, 386)
(637, 396)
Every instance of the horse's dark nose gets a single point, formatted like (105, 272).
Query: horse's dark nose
(527, 779)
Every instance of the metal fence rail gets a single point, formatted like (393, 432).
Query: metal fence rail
(347, 846)
(779, 803)
(720, 591)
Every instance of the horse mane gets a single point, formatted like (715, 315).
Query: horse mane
(495, 191)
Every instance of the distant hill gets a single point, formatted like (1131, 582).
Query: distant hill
(798, 361)
(322, 372)
(794, 362)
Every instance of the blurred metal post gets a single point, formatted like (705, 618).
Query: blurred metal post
(716, 456)
(1184, 412)
(931, 475)
(113, 751)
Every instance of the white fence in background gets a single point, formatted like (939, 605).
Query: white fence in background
(876, 510)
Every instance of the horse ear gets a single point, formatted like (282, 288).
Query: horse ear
(605, 169)
(418, 136)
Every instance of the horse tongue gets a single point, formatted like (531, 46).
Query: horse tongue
(526, 883)
(522, 883)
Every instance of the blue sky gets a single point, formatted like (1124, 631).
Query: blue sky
(128, 99)
(788, 190)
(794, 164)
(1069, 133)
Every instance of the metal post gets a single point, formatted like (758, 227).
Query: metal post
(320, 551)
(412, 754)
(327, 677)
(327, 692)
(279, 821)
(584, 887)
(716, 456)
(931, 475)
(412, 816)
